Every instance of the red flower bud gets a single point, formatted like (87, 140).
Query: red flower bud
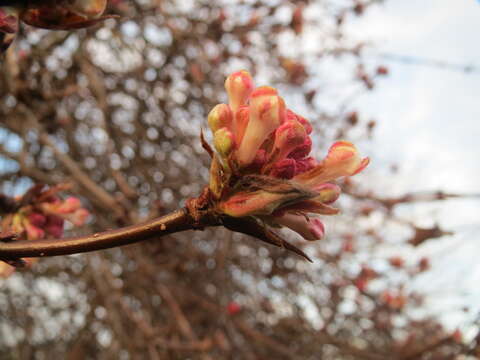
(288, 137)
(54, 226)
(9, 19)
(301, 150)
(37, 219)
(306, 164)
(284, 169)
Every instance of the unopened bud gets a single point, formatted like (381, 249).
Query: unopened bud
(220, 117)
(305, 164)
(310, 229)
(54, 226)
(288, 137)
(33, 232)
(301, 150)
(241, 121)
(267, 112)
(306, 124)
(9, 19)
(284, 169)
(79, 217)
(37, 219)
(342, 160)
(224, 142)
(239, 86)
(69, 205)
(327, 193)
(253, 203)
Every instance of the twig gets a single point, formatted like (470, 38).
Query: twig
(182, 321)
(102, 196)
(418, 354)
(176, 221)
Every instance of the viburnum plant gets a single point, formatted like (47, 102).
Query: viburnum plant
(38, 214)
(262, 168)
(49, 14)
(261, 177)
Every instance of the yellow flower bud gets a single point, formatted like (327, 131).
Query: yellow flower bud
(220, 117)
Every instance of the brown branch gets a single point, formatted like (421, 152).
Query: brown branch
(408, 198)
(25, 169)
(99, 193)
(179, 220)
(430, 347)
(183, 324)
(196, 215)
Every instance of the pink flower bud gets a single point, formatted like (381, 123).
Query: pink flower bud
(302, 150)
(251, 203)
(261, 202)
(306, 164)
(224, 142)
(343, 156)
(69, 205)
(284, 169)
(8, 26)
(306, 124)
(9, 19)
(267, 112)
(220, 116)
(288, 137)
(310, 229)
(342, 160)
(54, 226)
(33, 232)
(37, 219)
(327, 193)
(241, 121)
(239, 86)
(79, 217)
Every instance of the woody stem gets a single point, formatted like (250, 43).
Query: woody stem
(176, 221)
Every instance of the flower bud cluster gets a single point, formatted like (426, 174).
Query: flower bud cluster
(262, 167)
(43, 216)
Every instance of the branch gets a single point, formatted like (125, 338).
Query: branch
(103, 197)
(198, 214)
(179, 220)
